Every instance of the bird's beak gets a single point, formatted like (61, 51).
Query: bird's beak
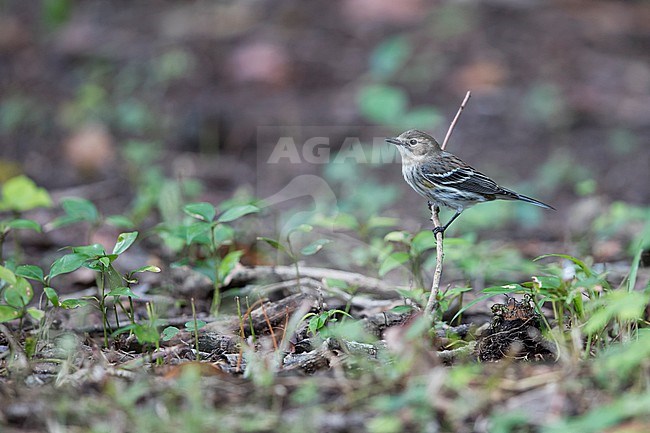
(394, 140)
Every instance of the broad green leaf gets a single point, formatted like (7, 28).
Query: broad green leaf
(402, 309)
(147, 268)
(122, 291)
(30, 271)
(52, 296)
(120, 221)
(24, 224)
(381, 222)
(92, 250)
(21, 194)
(397, 236)
(80, 208)
(190, 325)
(67, 263)
(223, 234)
(169, 332)
(393, 261)
(146, 334)
(7, 275)
(124, 241)
(19, 294)
(36, 313)
(237, 212)
(70, 304)
(422, 242)
(195, 230)
(314, 247)
(8, 313)
(201, 211)
(228, 263)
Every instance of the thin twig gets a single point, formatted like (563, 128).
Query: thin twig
(432, 303)
(453, 122)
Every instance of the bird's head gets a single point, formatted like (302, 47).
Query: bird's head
(413, 143)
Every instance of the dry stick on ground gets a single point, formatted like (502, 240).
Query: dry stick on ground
(432, 303)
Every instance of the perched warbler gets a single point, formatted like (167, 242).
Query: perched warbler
(444, 179)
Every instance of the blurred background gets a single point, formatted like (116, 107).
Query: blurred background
(116, 101)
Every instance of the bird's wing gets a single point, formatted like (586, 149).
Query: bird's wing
(450, 171)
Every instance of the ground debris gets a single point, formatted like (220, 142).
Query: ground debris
(515, 332)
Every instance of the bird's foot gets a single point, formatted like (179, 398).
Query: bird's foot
(438, 229)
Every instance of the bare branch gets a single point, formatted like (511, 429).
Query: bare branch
(432, 303)
(453, 122)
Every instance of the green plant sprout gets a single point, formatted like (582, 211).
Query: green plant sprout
(288, 248)
(204, 236)
(318, 321)
(20, 194)
(80, 210)
(109, 281)
(416, 246)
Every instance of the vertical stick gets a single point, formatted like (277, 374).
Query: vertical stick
(432, 303)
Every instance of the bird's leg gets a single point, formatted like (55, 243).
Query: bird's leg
(442, 229)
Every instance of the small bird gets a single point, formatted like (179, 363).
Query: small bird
(444, 179)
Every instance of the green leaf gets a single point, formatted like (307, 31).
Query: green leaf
(146, 334)
(67, 263)
(422, 242)
(169, 332)
(89, 251)
(19, 294)
(275, 244)
(124, 241)
(52, 296)
(30, 271)
(228, 263)
(381, 222)
(382, 104)
(80, 208)
(122, 291)
(7, 275)
(70, 304)
(24, 224)
(147, 268)
(389, 56)
(402, 309)
(36, 313)
(223, 234)
(8, 313)
(314, 247)
(393, 261)
(201, 211)
(190, 325)
(120, 221)
(237, 212)
(582, 265)
(397, 236)
(196, 230)
(21, 194)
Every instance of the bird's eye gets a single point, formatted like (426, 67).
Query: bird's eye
(413, 142)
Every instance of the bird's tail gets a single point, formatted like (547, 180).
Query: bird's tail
(511, 195)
